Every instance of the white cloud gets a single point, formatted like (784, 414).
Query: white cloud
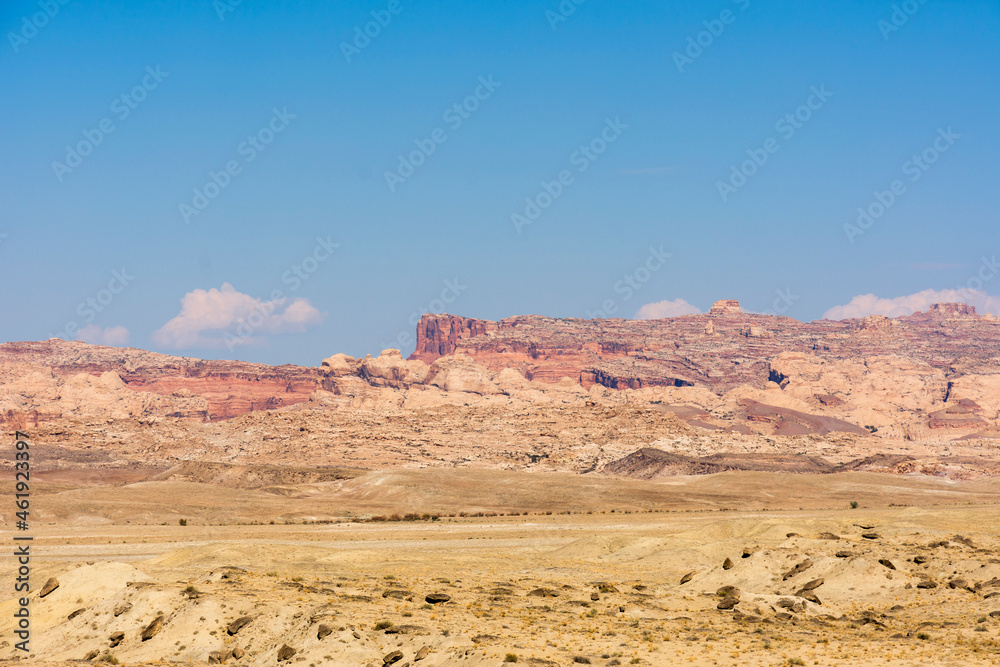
(662, 309)
(869, 304)
(113, 336)
(216, 317)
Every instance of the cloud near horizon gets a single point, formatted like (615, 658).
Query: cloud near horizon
(663, 309)
(869, 304)
(225, 317)
(112, 336)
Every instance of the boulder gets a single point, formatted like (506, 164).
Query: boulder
(49, 586)
(153, 628)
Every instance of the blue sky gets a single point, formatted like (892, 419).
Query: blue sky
(307, 248)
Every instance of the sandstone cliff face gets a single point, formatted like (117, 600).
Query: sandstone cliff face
(929, 377)
(153, 384)
(721, 350)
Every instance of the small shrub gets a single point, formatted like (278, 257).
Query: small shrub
(183, 522)
(923, 635)
(382, 625)
(854, 504)
(510, 657)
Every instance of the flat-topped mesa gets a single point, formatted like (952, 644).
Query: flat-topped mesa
(952, 310)
(726, 307)
(718, 350)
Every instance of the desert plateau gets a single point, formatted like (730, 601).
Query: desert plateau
(717, 489)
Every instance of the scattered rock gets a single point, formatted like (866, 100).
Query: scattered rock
(728, 591)
(116, 638)
(122, 608)
(238, 653)
(844, 554)
(74, 614)
(747, 552)
(438, 598)
(405, 629)
(792, 535)
(798, 569)
(927, 583)
(728, 602)
(541, 593)
(920, 560)
(595, 597)
(808, 595)
(813, 585)
(790, 604)
(872, 535)
(422, 653)
(323, 630)
(961, 539)
(605, 587)
(728, 564)
(286, 652)
(886, 563)
(687, 577)
(238, 624)
(959, 583)
(395, 656)
(828, 536)
(397, 594)
(153, 628)
(49, 586)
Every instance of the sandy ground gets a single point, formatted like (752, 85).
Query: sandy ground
(588, 587)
